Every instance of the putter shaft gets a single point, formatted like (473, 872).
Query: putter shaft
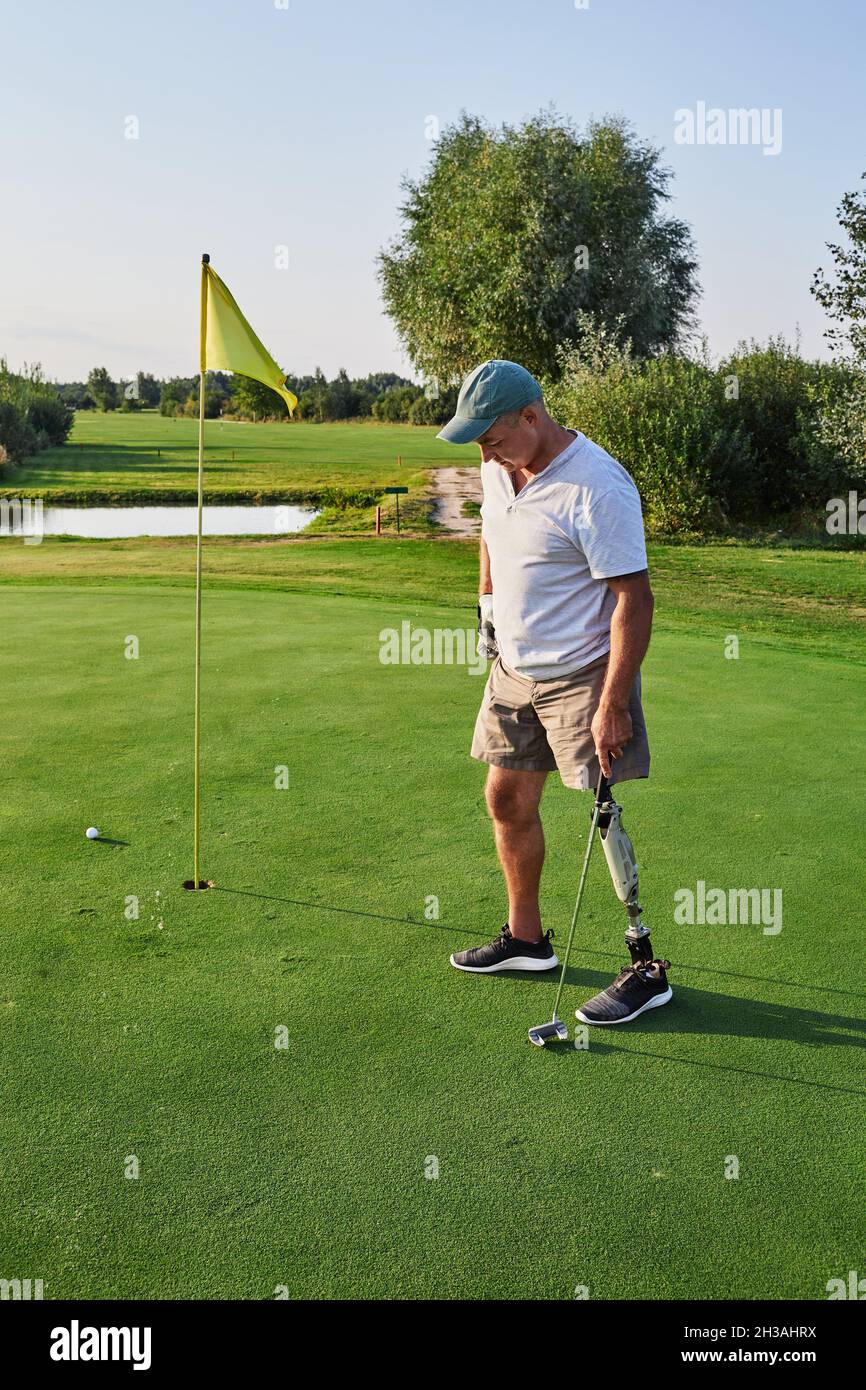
(586, 858)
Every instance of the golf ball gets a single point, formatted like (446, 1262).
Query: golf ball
(92, 833)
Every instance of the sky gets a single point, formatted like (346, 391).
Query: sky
(264, 124)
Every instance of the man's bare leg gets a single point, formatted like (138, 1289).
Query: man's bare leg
(513, 799)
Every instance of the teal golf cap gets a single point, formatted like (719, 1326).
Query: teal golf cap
(491, 390)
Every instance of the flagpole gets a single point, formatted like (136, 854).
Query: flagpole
(196, 879)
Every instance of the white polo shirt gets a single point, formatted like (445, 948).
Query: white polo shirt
(552, 546)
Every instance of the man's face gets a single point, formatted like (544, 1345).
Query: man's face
(512, 446)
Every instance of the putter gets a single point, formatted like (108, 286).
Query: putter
(546, 1032)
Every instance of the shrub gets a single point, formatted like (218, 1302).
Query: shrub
(433, 410)
(664, 420)
(838, 435)
(17, 435)
(778, 397)
(763, 435)
(394, 404)
(51, 417)
(32, 413)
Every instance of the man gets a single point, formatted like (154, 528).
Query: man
(565, 609)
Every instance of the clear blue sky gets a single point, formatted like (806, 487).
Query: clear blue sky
(262, 126)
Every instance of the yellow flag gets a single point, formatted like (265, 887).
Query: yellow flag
(228, 343)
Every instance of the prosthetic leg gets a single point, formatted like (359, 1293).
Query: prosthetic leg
(643, 984)
(619, 853)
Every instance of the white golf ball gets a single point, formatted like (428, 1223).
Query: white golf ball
(92, 833)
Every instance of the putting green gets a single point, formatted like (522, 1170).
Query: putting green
(310, 1167)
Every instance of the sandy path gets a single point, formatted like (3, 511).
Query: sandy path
(452, 487)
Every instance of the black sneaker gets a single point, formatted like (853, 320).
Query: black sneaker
(635, 989)
(506, 953)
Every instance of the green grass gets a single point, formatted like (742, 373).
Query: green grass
(150, 457)
(808, 600)
(305, 1166)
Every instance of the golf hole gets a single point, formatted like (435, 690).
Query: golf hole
(191, 885)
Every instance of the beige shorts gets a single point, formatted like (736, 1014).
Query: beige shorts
(538, 726)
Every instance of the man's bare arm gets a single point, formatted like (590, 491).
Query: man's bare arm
(485, 583)
(487, 644)
(630, 628)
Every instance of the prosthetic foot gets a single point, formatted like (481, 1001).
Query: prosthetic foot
(643, 984)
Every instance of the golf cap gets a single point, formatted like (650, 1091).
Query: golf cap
(491, 390)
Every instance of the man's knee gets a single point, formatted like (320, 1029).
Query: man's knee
(512, 799)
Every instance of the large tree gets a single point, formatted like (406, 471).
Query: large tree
(512, 232)
(148, 389)
(102, 388)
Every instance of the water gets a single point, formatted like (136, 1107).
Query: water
(109, 523)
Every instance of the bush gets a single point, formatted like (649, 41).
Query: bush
(76, 395)
(51, 417)
(190, 407)
(778, 400)
(393, 405)
(17, 435)
(173, 395)
(838, 435)
(756, 439)
(433, 410)
(32, 414)
(664, 419)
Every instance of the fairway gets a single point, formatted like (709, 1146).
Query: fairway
(407, 1141)
(151, 454)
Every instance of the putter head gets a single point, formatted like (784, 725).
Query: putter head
(547, 1032)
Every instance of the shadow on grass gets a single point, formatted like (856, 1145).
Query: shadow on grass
(700, 1012)
(346, 911)
(99, 456)
(572, 977)
(739, 975)
(704, 1013)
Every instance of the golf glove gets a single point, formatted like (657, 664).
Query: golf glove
(486, 634)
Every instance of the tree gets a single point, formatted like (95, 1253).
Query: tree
(341, 403)
(843, 417)
(76, 395)
(102, 388)
(314, 400)
(394, 404)
(213, 401)
(844, 297)
(512, 232)
(368, 389)
(252, 400)
(50, 417)
(148, 389)
(433, 409)
(17, 436)
(32, 413)
(173, 394)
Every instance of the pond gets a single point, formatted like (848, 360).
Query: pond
(110, 523)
